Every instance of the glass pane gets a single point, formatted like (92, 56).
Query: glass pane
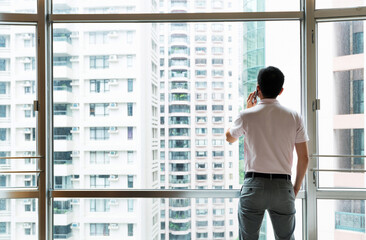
(18, 6)
(339, 3)
(18, 79)
(132, 111)
(341, 219)
(195, 218)
(171, 6)
(19, 219)
(341, 91)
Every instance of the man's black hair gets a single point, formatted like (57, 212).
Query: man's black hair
(270, 81)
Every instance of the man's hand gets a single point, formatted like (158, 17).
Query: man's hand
(302, 164)
(252, 100)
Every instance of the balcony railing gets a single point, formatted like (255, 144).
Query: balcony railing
(350, 221)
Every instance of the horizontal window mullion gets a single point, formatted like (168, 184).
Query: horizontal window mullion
(24, 193)
(235, 193)
(186, 17)
(19, 17)
(339, 14)
(341, 194)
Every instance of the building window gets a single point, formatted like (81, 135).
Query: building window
(2, 88)
(2, 111)
(130, 205)
(358, 97)
(99, 205)
(357, 42)
(99, 109)
(97, 62)
(99, 181)
(99, 157)
(2, 41)
(129, 61)
(3, 134)
(130, 85)
(130, 229)
(99, 133)
(130, 181)
(129, 156)
(99, 86)
(99, 229)
(2, 64)
(129, 109)
(98, 38)
(129, 133)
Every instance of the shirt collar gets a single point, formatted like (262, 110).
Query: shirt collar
(268, 101)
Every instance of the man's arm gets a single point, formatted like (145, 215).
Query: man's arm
(302, 164)
(230, 138)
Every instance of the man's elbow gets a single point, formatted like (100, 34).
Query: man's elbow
(230, 138)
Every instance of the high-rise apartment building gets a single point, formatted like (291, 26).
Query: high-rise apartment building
(198, 91)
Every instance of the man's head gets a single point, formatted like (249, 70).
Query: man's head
(270, 81)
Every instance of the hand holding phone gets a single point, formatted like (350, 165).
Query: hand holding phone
(252, 99)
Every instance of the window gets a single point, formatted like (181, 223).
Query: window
(99, 109)
(99, 133)
(217, 107)
(130, 85)
(99, 181)
(2, 41)
(129, 156)
(201, 107)
(129, 109)
(99, 157)
(99, 86)
(96, 38)
(358, 43)
(130, 205)
(3, 88)
(130, 229)
(3, 111)
(129, 133)
(129, 61)
(99, 229)
(130, 181)
(201, 38)
(3, 64)
(99, 205)
(201, 119)
(201, 130)
(97, 62)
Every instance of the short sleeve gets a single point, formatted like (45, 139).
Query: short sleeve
(237, 128)
(301, 135)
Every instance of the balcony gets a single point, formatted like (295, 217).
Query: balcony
(350, 221)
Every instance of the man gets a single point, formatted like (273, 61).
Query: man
(271, 132)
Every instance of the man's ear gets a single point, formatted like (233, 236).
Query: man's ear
(280, 92)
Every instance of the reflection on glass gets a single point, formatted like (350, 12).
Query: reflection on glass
(341, 219)
(338, 4)
(19, 219)
(171, 6)
(341, 90)
(18, 6)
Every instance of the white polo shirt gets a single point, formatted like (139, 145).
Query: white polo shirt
(270, 133)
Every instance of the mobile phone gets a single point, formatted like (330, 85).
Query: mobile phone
(255, 96)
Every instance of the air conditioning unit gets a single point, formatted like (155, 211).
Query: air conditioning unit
(113, 58)
(113, 129)
(113, 178)
(75, 130)
(113, 226)
(113, 202)
(27, 130)
(113, 153)
(113, 105)
(75, 154)
(113, 34)
(75, 225)
(113, 82)
(74, 106)
(27, 225)
(75, 201)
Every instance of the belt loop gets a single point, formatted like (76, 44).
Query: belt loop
(253, 175)
(270, 176)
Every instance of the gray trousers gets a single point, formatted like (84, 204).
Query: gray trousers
(274, 195)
